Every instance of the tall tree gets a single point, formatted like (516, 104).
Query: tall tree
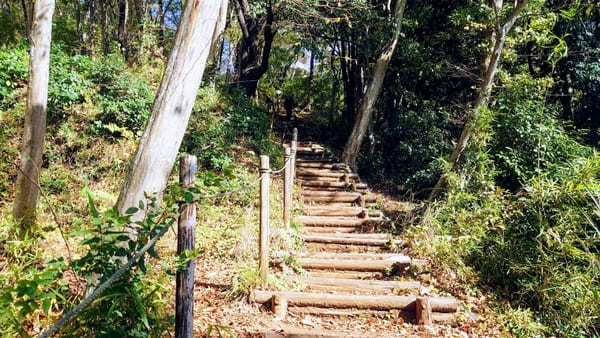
(253, 63)
(27, 187)
(365, 111)
(201, 24)
(122, 33)
(490, 67)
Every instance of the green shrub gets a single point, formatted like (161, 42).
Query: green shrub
(539, 248)
(125, 99)
(528, 137)
(14, 68)
(547, 254)
(220, 122)
(68, 83)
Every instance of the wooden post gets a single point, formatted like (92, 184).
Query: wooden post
(287, 188)
(294, 146)
(279, 305)
(184, 294)
(263, 248)
(423, 311)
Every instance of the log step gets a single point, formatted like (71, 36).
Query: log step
(322, 179)
(334, 230)
(351, 255)
(364, 191)
(343, 301)
(330, 221)
(436, 317)
(333, 184)
(353, 265)
(345, 239)
(324, 173)
(318, 165)
(366, 235)
(359, 275)
(323, 161)
(358, 283)
(335, 211)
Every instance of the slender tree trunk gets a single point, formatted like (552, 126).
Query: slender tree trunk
(104, 24)
(373, 89)
(158, 147)
(122, 27)
(486, 85)
(87, 27)
(27, 191)
(27, 14)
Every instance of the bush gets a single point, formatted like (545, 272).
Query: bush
(125, 99)
(546, 255)
(220, 122)
(68, 83)
(539, 248)
(14, 68)
(528, 138)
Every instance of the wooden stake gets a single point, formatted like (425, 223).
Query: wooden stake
(184, 294)
(279, 306)
(287, 188)
(423, 311)
(294, 147)
(263, 248)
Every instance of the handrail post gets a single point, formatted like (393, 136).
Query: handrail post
(184, 293)
(287, 188)
(263, 248)
(294, 146)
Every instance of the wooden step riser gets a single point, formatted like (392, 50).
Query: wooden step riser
(326, 184)
(353, 265)
(330, 221)
(317, 165)
(358, 284)
(346, 241)
(326, 211)
(436, 317)
(325, 173)
(338, 301)
(360, 235)
(325, 179)
(344, 188)
(332, 230)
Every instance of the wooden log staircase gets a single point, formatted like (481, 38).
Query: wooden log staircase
(350, 268)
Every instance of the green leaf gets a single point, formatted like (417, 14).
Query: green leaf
(46, 303)
(152, 252)
(131, 211)
(142, 265)
(93, 209)
(189, 197)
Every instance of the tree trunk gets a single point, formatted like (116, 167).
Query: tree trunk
(373, 89)
(158, 147)
(485, 88)
(27, 190)
(27, 14)
(122, 27)
(87, 28)
(104, 24)
(252, 64)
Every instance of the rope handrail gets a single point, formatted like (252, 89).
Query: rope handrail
(91, 297)
(275, 172)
